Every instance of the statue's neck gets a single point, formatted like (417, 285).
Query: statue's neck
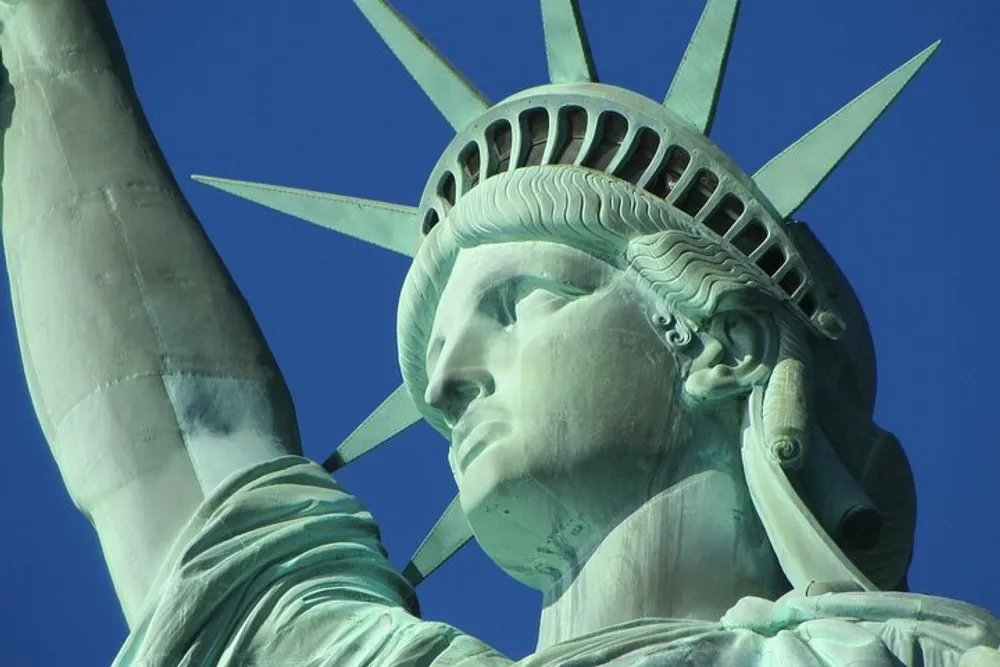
(691, 551)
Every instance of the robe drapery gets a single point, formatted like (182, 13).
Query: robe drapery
(281, 567)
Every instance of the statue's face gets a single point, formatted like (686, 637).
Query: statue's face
(561, 396)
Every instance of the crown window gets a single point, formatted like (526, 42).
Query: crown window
(698, 193)
(500, 137)
(612, 132)
(790, 281)
(670, 173)
(751, 237)
(808, 304)
(469, 159)
(772, 260)
(632, 169)
(536, 127)
(447, 188)
(430, 220)
(573, 129)
(724, 216)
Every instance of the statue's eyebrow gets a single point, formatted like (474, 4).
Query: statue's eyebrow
(526, 281)
(584, 273)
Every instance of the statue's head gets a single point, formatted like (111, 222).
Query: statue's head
(583, 345)
(602, 306)
(573, 378)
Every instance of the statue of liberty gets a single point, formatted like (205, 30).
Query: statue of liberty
(657, 385)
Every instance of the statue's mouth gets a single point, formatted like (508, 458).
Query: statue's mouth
(471, 438)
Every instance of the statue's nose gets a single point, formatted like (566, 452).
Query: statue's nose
(458, 378)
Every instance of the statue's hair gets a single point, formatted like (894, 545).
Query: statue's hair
(691, 275)
(653, 242)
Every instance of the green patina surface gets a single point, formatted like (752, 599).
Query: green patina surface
(657, 384)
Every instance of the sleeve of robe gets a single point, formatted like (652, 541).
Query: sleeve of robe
(282, 567)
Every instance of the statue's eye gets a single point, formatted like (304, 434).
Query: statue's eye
(539, 301)
(527, 298)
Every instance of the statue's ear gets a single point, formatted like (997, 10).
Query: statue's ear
(738, 350)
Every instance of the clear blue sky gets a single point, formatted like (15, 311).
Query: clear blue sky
(302, 93)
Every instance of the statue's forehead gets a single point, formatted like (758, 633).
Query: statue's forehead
(483, 266)
(480, 268)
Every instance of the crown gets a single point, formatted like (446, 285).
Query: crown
(662, 149)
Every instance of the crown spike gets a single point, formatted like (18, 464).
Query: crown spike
(790, 178)
(566, 45)
(386, 225)
(454, 96)
(396, 413)
(449, 534)
(695, 89)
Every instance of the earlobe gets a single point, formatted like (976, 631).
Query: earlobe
(735, 355)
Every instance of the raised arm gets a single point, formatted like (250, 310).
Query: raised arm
(147, 370)
(158, 396)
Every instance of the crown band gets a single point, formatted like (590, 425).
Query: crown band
(632, 138)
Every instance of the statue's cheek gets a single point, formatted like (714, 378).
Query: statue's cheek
(581, 388)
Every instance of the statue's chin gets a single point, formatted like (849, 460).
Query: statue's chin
(515, 522)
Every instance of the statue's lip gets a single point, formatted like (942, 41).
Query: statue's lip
(470, 438)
